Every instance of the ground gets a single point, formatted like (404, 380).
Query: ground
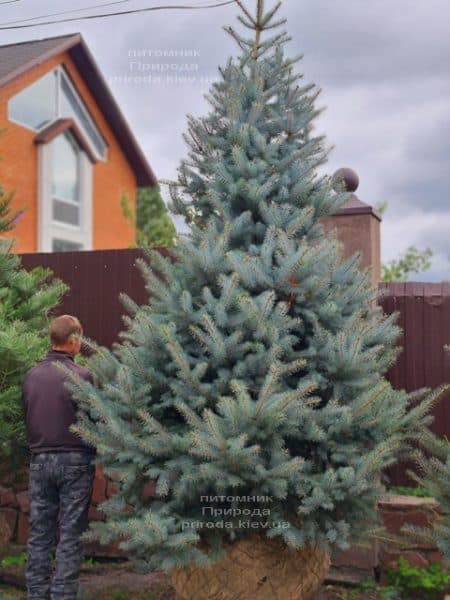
(116, 581)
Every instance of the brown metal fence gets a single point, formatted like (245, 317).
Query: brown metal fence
(96, 279)
(424, 316)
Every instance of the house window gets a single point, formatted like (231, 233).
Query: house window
(72, 106)
(65, 246)
(35, 106)
(65, 218)
(66, 181)
(53, 97)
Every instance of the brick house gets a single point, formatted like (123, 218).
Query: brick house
(66, 150)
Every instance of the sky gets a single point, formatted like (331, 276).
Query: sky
(383, 68)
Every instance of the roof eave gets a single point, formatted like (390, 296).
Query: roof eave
(63, 47)
(57, 127)
(86, 64)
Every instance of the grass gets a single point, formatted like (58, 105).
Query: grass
(159, 593)
(18, 559)
(160, 590)
(409, 491)
(11, 593)
(90, 562)
(163, 591)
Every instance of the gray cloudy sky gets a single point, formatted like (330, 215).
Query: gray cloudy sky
(383, 66)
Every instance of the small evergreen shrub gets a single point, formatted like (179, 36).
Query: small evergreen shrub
(416, 582)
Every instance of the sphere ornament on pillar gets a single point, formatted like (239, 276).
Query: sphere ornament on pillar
(348, 177)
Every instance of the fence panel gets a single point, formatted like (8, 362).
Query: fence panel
(425, 318)
(97, 278)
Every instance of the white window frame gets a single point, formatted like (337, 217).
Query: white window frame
(78, 204)
(21, 123)
(47, 227)
(60, 73)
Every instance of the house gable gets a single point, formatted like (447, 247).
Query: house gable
(19, 59)
(21, 163)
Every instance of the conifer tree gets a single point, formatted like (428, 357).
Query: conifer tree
(256, 370)
(7, 218)
(26, 298)
(154, 227)
(432, 472)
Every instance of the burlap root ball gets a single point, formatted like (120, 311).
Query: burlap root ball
(258, 568)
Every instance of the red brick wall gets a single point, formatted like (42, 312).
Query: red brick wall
(395, 512)
(18, 168)
(14, 506)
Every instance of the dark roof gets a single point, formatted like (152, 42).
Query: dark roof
(355, 206)
(16, 59)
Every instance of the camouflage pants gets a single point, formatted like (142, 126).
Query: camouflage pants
(60, 482)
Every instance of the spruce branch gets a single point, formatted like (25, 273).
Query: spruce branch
(248, 24)
(268, 387)
(258, 28)
(246, 12)
(270, 14)
(154, 425)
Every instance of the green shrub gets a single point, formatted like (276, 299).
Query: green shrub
(379, 592)
(9, 561)
(420, 492)
(90, 562)
(120, 595)
(416, 582)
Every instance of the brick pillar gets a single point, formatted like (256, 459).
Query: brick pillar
(357, 226)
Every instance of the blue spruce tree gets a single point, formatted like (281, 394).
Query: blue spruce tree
(251, 386)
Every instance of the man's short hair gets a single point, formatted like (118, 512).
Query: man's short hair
(61, 328)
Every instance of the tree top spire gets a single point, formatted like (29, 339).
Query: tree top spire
(260, 22)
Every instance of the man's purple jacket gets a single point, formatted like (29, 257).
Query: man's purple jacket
(49, 407)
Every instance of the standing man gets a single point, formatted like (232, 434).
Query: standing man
(62, 468)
